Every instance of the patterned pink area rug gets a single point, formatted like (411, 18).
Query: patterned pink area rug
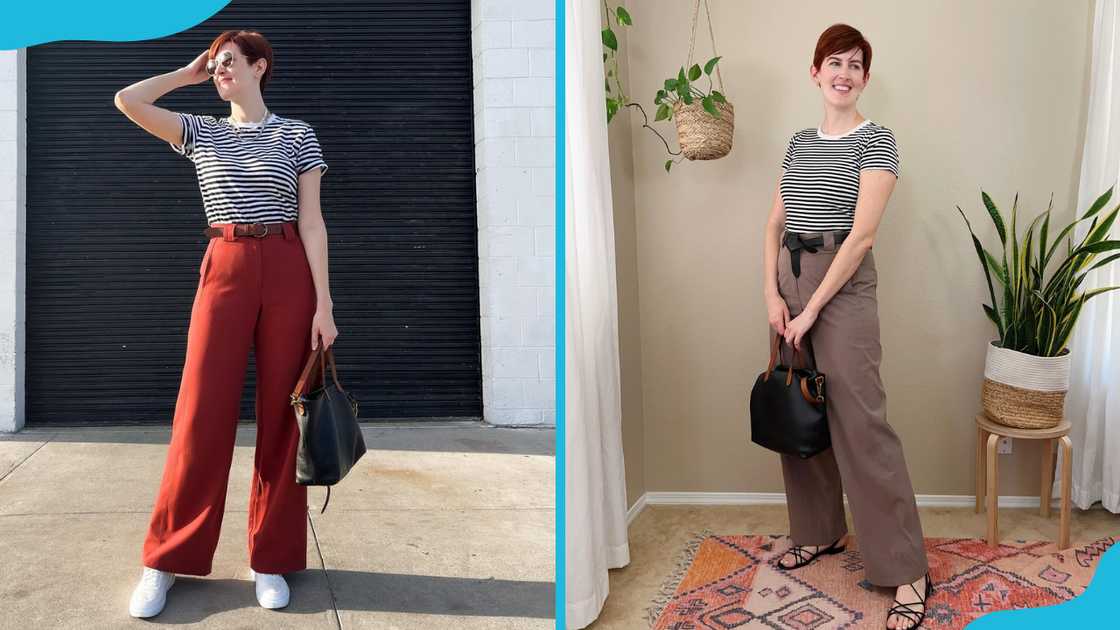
(735, 582)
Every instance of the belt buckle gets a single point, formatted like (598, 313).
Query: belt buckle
(264, 230)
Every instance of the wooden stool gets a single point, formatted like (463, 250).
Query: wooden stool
(987, 435)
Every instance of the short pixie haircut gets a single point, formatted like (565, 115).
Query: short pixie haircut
(252, 44)
(840, 38)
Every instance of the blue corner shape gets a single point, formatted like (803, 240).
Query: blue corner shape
(42, 21)
(1095, 608)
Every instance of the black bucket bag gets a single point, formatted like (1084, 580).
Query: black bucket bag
(787, 408)
(330, 439)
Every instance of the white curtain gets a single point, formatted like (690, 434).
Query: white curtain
(1093, 402)
(595, 483)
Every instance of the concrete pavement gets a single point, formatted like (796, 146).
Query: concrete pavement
(439, 526)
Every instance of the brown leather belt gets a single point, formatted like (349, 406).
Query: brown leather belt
(258, 230)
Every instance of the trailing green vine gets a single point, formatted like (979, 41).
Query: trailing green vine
(679, 88)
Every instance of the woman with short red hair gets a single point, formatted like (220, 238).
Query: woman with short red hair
(262, 283)
(820, 270)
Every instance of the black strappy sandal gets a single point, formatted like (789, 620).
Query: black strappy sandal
(804, 557)
(906, 612)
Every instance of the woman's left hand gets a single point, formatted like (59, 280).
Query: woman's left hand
(798, 326)
(323, 324)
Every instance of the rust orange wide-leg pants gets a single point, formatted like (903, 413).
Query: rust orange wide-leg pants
(255, 291)
(866, 455)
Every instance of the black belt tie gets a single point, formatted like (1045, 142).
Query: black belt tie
(795, 242)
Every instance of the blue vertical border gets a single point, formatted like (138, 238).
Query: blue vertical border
(561, 170)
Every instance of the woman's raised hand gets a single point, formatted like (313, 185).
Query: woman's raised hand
(778, 313)
(196, 70)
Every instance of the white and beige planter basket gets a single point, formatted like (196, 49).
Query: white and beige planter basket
(1023, 390)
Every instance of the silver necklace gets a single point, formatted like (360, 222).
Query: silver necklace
(238, 128)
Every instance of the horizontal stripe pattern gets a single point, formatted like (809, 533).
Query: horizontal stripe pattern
(820, 181)
(249, 174)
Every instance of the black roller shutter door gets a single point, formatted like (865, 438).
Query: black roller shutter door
(114, 217)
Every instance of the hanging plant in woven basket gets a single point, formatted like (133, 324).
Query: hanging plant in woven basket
(705, 119)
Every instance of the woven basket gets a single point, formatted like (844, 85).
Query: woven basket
(1023, 390)
(701, 135)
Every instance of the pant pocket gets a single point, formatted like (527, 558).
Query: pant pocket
(786, 281)
(865, 279)
(205, 259)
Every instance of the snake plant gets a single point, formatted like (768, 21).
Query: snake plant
(1037, 316)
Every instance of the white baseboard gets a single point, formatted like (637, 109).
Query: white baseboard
(779, 498)
(636, 509)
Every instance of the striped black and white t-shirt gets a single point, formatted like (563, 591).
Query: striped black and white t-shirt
(249, 173)
(820, 181)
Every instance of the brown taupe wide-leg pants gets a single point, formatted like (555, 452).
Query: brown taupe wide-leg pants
(865, 458)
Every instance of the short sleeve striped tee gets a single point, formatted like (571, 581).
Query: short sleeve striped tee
(249, 174)
(820, 180)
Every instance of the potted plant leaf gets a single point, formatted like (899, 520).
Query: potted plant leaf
(1026, 370)
(705, 119)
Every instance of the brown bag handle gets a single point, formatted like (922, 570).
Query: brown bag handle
(324, 356)
(774, 345)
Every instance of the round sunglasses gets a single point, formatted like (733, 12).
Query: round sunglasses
(225, 58)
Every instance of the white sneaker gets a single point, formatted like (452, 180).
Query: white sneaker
(151, 593)
(272, 589)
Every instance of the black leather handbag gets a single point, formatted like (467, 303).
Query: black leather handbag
(787, 408)
(330, 439)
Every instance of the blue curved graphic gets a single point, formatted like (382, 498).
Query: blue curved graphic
(41, 21)
(1095, 608)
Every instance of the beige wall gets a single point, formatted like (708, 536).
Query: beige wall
(626, 269)
(979, 94)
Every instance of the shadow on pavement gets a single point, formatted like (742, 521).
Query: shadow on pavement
(193, 599)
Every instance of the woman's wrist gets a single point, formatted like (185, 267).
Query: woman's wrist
(325, 304)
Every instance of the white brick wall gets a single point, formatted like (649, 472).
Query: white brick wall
(12, 229)
(514, 49)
